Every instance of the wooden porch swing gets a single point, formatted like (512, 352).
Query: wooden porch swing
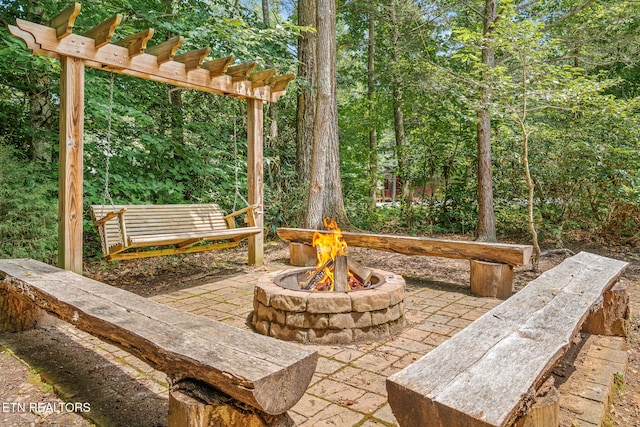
(184, 226)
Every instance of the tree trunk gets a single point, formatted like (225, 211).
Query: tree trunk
(398, 118)
(306, 110)
(272, 107)
(40, 119)
(39, 104)
(325, 192)
(486, 230)
(373, 136)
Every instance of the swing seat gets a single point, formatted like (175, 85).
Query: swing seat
(184, 228)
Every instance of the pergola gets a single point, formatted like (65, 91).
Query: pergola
(160, 63)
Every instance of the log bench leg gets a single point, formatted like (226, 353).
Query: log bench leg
(545, 411)
(17, 313)
(490, 279)
(612, 317)
(302, 255)
(193, 404)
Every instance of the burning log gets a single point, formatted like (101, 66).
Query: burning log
(318, 276)
(340, 275)
(361, 272)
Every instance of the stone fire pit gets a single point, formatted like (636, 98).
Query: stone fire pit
(283, 311)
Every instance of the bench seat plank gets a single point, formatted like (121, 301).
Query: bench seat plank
(486, 375)
(408, 245)
(260, 371)
(233, 233)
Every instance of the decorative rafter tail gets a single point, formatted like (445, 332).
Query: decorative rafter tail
(102, 33)
(260, 78)
(193, 59)
(63, 22)
(241, 72)
(217, 67)
(136, 43)
(165, 51)
(279, 84)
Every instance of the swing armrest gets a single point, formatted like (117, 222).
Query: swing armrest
(109, 216)
(250, 220)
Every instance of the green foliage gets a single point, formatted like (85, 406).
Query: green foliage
(28, 208)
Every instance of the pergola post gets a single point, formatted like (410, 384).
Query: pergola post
(255, 178)
(71, 164)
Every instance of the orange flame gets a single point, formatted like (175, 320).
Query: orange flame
(328, 246)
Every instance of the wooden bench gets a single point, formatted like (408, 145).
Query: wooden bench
(491, 263)
(264, 373)
(183, 227)
(488, 373)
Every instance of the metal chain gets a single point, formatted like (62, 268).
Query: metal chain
(107, 152)
(235, 157)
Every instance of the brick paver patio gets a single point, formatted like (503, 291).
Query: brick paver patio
(348, 388)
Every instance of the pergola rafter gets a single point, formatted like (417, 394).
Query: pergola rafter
(162, 63)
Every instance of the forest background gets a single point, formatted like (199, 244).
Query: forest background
(541, 99)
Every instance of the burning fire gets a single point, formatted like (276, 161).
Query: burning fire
(330, 246)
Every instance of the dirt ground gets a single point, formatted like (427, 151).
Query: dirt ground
(153, 276)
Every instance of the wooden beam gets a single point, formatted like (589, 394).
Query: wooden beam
(408, 245)
(102, 33)
(280, 83)
(71, 164)
(218, 66)
(63, 22)
(42, 40)
(165, 51)
(255, 179)
(193, 59)
(260, 78)
(241, 72)
(136, 43)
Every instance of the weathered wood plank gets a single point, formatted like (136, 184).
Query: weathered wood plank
(408, 245)
(260, 371)
(487, 374)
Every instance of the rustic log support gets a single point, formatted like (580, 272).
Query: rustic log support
(17, 313)
(302, 255)
(612, 317)
(192, 404)
(491, 279)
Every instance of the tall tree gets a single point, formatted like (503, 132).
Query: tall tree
(325, 189)
(398, 114)
(306, 110)
(373, 134)
(486, 230)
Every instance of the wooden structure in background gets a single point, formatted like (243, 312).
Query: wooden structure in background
(160, 63)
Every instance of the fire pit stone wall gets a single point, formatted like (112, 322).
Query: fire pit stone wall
(330, 317)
